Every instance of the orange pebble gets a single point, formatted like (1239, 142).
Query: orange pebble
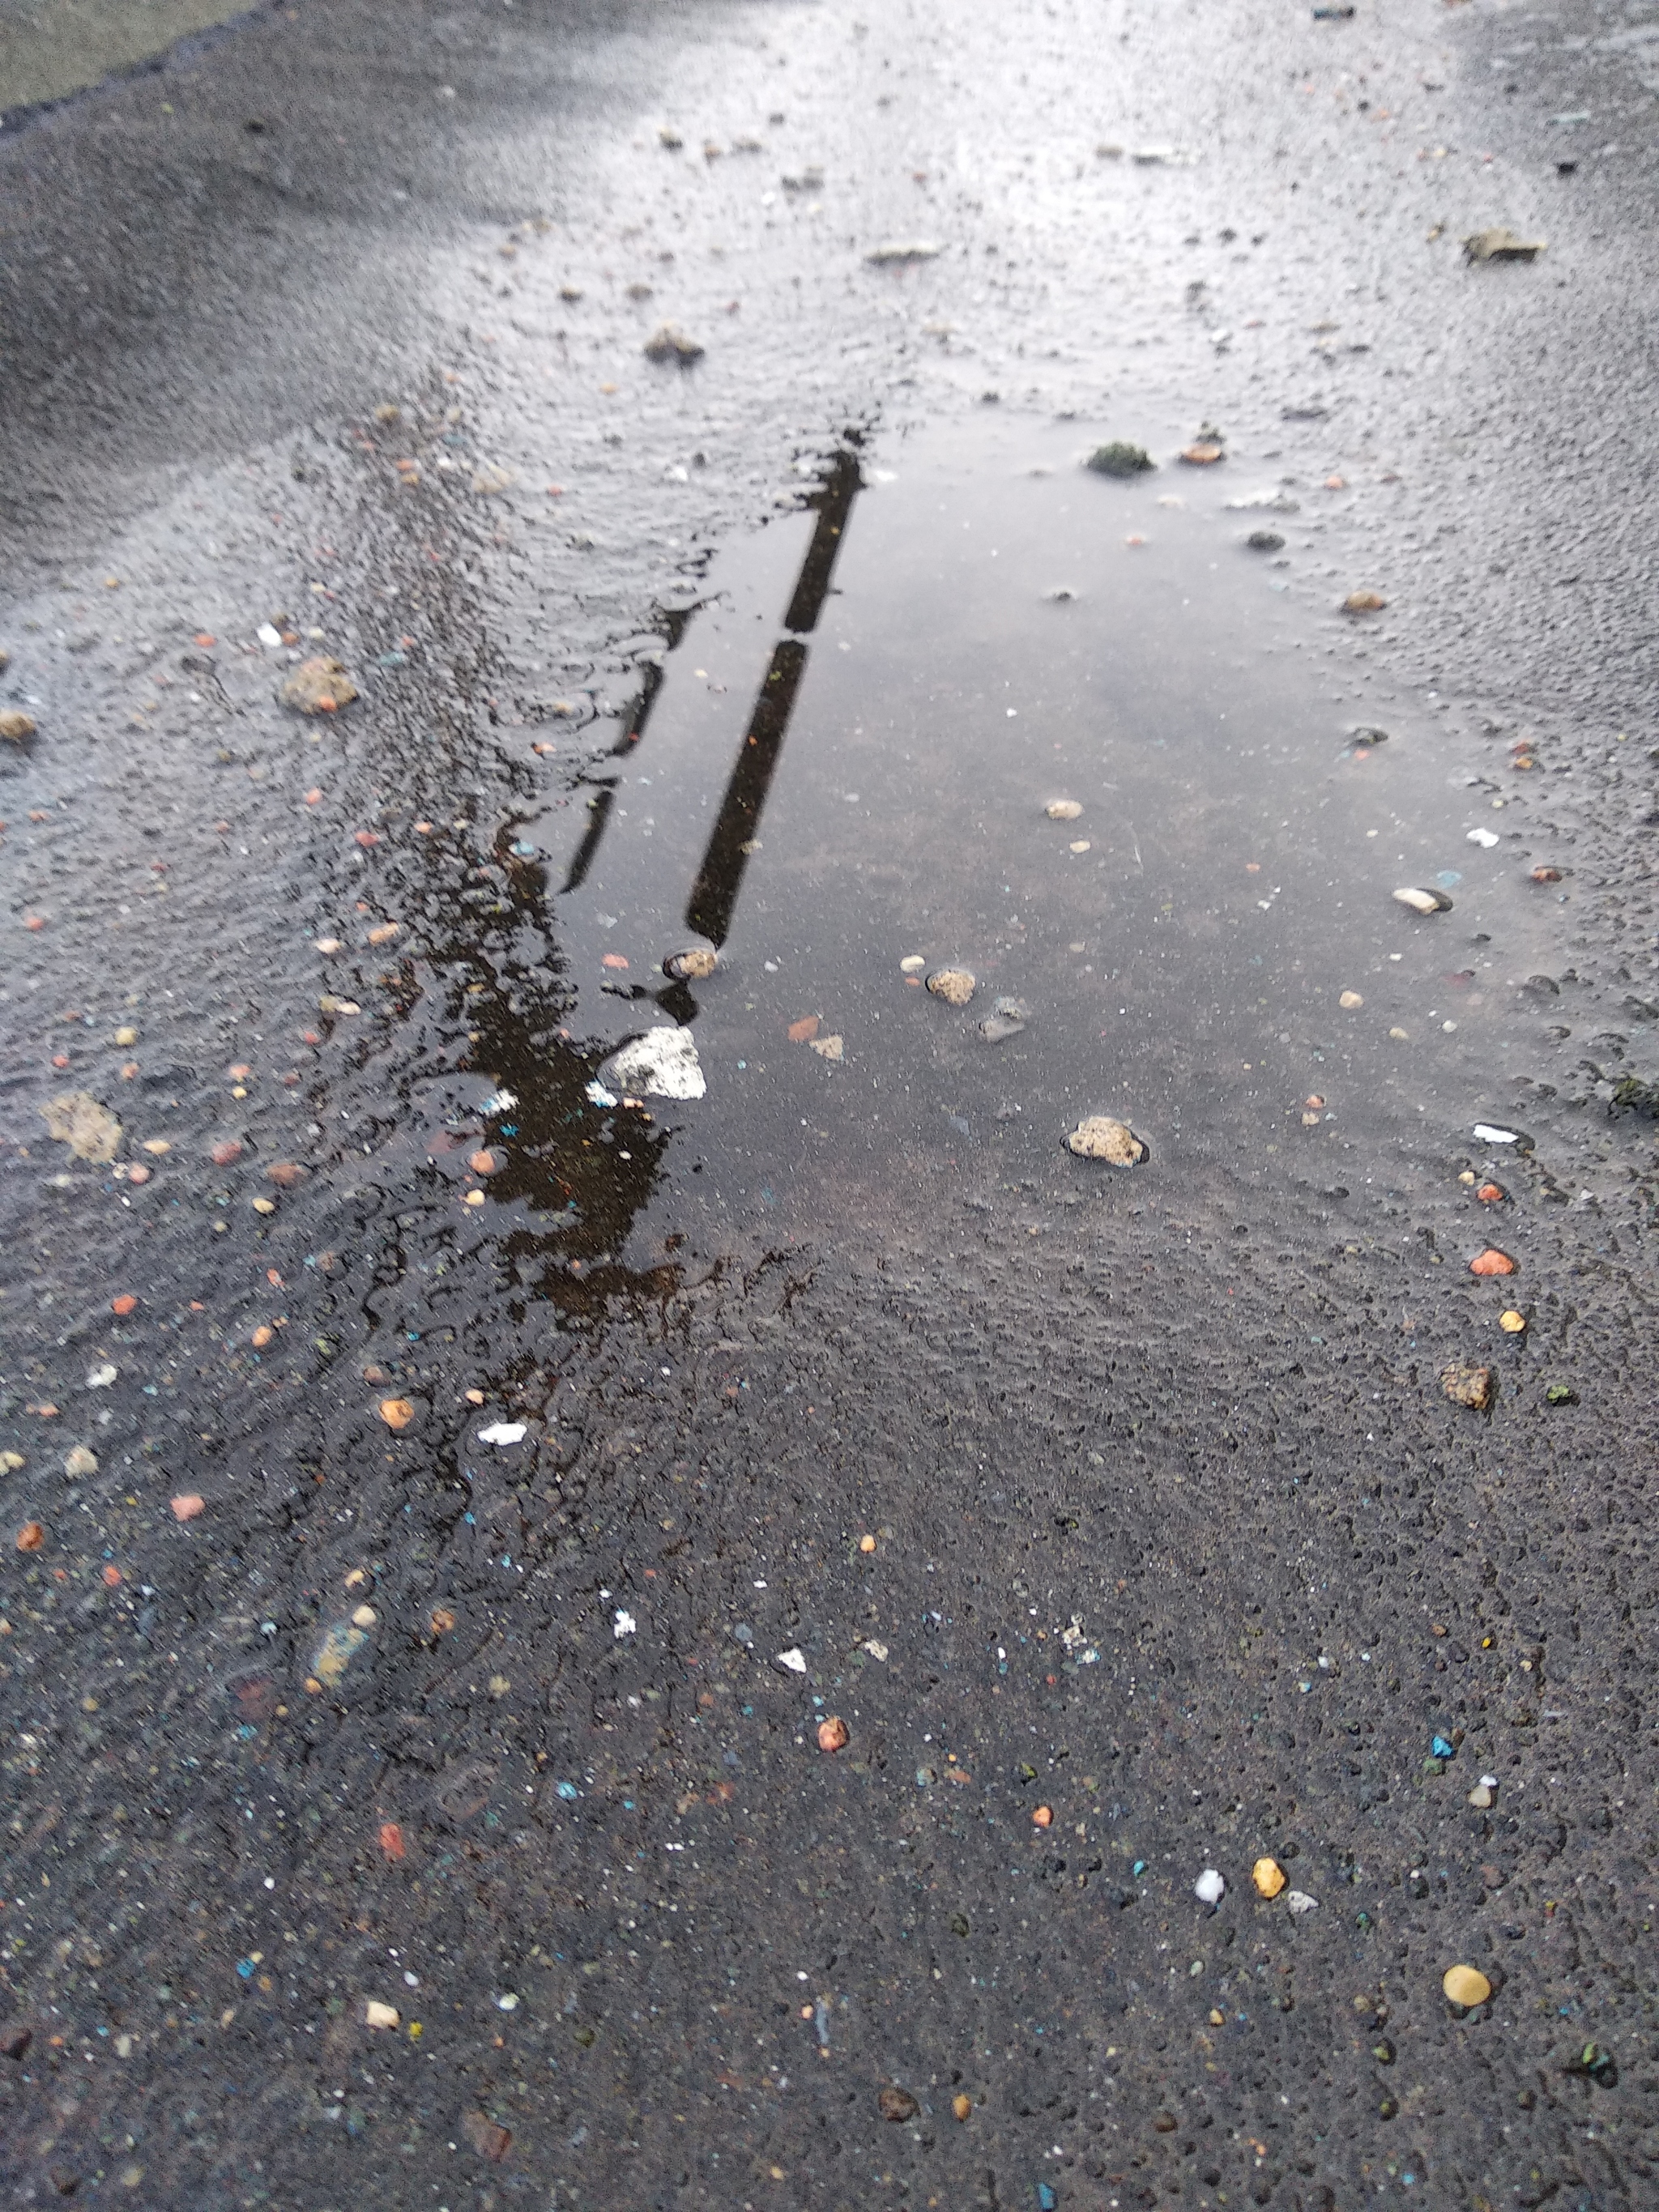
(832, 1733)
(124, 1305)
(1043, 1817)
(1491, 1262)
(391, 1839)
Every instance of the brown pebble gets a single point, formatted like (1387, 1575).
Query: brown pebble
(962, 2104)
(227, 1149)
(319, 686)
(896, 2104)
(396, 1412)
(31, 1536)
(954, 985)
(1363, 603)
(1043, 1817)
(15, 725)
(1474, 1387)
(286, 1173)
(832, 1733)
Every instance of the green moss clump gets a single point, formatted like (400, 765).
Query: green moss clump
(1119, 459)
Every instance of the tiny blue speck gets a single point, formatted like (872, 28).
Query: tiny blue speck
(1046, 2198)
(1138, 1868)
(244, 1968)
(569, 1789)
(1442, 1749)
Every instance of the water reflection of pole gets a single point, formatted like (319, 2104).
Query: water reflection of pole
(714, 894)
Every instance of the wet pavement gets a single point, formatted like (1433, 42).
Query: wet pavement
(585, 1639)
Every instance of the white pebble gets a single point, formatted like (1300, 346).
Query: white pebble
(1209, 1888)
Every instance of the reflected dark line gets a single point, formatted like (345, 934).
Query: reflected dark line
(720, 878)
(599, 815)
(835, 505)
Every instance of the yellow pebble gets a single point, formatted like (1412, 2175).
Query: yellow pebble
(1268, 1876)
(962, 2104)
(1465, 1985)
(1511, 1323)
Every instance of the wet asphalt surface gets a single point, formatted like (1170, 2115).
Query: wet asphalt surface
(1128, 1496)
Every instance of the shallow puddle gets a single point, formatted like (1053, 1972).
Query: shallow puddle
(848, 764)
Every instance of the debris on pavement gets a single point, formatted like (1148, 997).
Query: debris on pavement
(1489, 1134)
(1264, 541)
(670, 342)
(1364, 602)
(954, 985)
(80, 1460)
(1268, 1876)
(396, 1412)
(1474, 1387)
(1210, 1888)
(828, 1047)
(833, 1733)
(15, 725)
(1512, 1322)
(1423, 901)
(1208, 447)
(1466, 1986)
(1063, 810)
(1099, 1137)
(1007, 1019)
(896, 2104)
(76, 1119)
(1300, 1902)
(502, 1433)
(1491, 1261)
(898, 250)
(663, 1064)
(1119, 458)
(376, 2015)
(692, 965)
(187, 1505)
(319, 686)
(1501, 245)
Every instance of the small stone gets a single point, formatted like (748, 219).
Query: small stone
(286, 1174)
(912, 964)
(1422, 901)
(828, 1047)
(896, 251)
(1511, 1323)
(1098, 1137)
(1007, 1019)
(1165, 2123)
(1209, 1888)
(696, 962)
(396, 1412)
(1501, 245)
(1465, 1985)
(319, 686)
(962, 2104)
(1119, 459)
(376, 2015)
(954, 985)
(80, 1461)
(364, 1617)
(1474, 1387)
(187, 1505)
(1491, 1262)
(1300, 1902)
(1043, 1817)
(832, 1733)
(15, 726)
(488, 2137)
(1204, 453)
(490, 478)
(227, 1149)
(670, 342)
(1268, 1876)
(896, 2104)
(31, 1536)
(1264, 541)
(1349, 1001)
(1363, 603)
(1063, 810)
(1482, 1798)
(76, 1119)
(384, 932)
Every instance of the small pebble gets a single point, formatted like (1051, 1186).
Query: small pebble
(1349, 1001)
(1268, 1876)
(1512, 1323)
(1063, 810)
(832, 1733)
(1209, 1888)
(954, 985)
(396, 1412)
(1465, 1985)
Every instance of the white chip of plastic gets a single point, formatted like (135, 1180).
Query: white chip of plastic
(1299, 1901)
(101, 1378)
(1488, 1135)
(663, 1064)
(623, 1625)
(376, 2015)
(875, 1647)
(502, 1433)
(507, 2001)
(794, 1659)
(598, 1096)
(1209, 1888)
(499, 1101)
(1489, 1782)
(1485, 837)
(269, 637)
